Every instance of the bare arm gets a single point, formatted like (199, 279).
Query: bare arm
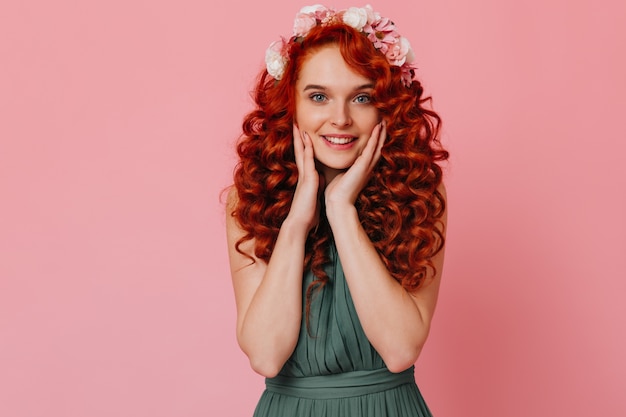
(269, 295)
(395, 321)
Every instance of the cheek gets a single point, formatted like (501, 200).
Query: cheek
(310, 117)
(368, 118)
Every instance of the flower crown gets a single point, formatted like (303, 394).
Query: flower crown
(379, 30)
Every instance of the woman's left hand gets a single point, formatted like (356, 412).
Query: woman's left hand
(345, 187)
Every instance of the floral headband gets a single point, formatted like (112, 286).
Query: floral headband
(379, 30)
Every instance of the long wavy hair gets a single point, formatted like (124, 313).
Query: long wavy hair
(400, 207)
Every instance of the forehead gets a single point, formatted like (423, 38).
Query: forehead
(326, 66)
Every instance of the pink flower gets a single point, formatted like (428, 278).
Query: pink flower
(382, 34)
(326, 16)
(381, 31)
(407, 71)
(309, 17)
(303, 24)
(397, 52)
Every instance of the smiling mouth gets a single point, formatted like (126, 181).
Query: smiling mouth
(339, 140)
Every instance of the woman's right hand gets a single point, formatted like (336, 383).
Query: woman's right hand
(269, 294)
(305, 207)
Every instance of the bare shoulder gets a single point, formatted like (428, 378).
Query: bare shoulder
(444, 218)
(442, 190)
(245, 268)
(232, 197)
(234, 230)
(427, 294)
(241, 251)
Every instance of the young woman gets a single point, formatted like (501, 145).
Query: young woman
(336, 221)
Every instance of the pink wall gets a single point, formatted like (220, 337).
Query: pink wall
(116, 126)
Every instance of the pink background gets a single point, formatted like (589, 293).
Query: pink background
(117, 121)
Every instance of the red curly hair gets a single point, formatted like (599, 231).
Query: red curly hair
(400, 207)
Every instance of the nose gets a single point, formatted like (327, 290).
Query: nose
(341, 115)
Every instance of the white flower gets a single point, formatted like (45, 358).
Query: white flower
(355, 17)
(275, 62)
(312, 9)
(410, 55)
(372, 16)
(303, 24)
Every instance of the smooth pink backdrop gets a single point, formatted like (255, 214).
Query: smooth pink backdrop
(117, 124)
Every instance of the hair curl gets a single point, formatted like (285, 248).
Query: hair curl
(399, 208)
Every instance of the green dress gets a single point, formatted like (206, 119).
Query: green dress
(335, 371)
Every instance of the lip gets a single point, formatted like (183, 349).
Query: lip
(340, 146)
(339, 135)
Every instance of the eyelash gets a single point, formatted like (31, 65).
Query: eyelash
(316, 98)
(366, 96)
(315, 95)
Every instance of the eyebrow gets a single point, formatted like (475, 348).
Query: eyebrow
(321, 87)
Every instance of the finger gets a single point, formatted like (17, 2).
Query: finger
(308, 154)
(381, 141)
(370, 146)
(308, 143)
(298, 148)
(297, 137)
(372, 149)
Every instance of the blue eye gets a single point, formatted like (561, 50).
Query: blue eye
(363, 99)
(318, 97)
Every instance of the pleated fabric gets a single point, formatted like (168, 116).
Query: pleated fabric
(335, 371)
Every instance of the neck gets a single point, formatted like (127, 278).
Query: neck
(329, 173)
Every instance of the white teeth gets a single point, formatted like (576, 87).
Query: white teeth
(338, 141)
